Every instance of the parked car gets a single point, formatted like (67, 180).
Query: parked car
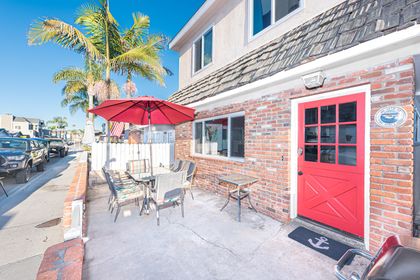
(58, 146)
(4, 133)
(44, 143)
(18, 156)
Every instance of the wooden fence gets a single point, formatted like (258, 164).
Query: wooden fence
(119, 154)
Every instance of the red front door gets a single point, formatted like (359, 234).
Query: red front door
(331, 162)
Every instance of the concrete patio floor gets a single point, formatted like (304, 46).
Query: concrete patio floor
(206, 244)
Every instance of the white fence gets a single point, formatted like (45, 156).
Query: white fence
(163, 154)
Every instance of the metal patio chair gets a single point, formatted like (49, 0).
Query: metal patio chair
(192, 168)
(138, 166)
(122, 194)
(169, 192)
(175, 165)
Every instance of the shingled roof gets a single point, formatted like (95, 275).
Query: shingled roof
(344, 26)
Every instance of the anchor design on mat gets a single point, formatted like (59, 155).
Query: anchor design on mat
(319, 242)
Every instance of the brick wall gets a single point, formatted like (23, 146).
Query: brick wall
(77, 191)
(267, 148)
(65, 260)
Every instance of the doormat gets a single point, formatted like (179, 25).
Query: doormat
(319, 243)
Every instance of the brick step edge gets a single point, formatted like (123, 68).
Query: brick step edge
(63, 261)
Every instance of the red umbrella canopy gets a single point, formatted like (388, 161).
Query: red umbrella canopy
(136, 111)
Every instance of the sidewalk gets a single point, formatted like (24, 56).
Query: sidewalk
(22, 233)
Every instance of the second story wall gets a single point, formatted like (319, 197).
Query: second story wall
(233, 35)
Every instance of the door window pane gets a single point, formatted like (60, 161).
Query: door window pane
(197, 54)
(347, 155)
(328, 114)
(311, 153)
(262, 15)
(216, 137)
(208, 47)
(328, 154)
(285, 7)
(348, 112)
(347, 134)
(198, 139)
(311, 116)
(328, 134)
(237, 136)
(311, 134)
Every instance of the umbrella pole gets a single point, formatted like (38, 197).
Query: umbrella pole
(150, 144)
(108, 141)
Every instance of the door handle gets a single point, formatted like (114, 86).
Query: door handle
(300, 173)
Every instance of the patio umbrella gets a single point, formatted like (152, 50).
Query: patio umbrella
(144, 110)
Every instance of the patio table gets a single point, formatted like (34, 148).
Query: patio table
(240, 192)
(147, 179)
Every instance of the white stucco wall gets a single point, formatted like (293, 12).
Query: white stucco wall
(231, 34)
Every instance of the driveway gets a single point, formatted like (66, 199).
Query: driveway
(206, 244)
(30, 218)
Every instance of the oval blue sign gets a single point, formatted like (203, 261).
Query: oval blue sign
(391, 116)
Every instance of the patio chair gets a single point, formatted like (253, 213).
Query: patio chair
(124, 197)
(184, 165)
(138, 166)
(175, 165)
(122, 194)
(192, 167)
(169, 192)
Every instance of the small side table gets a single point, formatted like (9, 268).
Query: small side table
(2, 187)
(240, 181)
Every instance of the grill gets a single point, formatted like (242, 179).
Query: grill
(2, 160)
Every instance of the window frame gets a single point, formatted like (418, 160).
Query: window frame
(229, 130)
(201, 37)
(273, 22)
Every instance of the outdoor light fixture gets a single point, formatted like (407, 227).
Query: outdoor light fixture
(314, 80)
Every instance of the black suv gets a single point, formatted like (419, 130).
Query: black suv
(18, 156)
(58, 146)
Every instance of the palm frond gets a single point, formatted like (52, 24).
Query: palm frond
(137, 31)
(73, 87)
(69, 74)
(63, 34)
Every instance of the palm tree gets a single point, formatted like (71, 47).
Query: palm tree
(78, 91)
(136, 36)
(101, 41)
(58, 124)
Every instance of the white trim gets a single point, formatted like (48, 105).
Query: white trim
(195, 18)
(202, 121)
(294, 146)
(274, 23)
(399, 43)
(201, 37)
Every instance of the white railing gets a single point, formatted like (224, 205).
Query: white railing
(119, 154)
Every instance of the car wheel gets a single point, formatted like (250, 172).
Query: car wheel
(23, 175)
(62, 153)
(40, 167)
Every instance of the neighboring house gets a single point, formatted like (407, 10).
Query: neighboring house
(160, 134)
(27, 126)
(288, 91)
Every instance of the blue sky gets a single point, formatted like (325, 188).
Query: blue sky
(25, 73)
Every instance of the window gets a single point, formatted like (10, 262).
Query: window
(416, 126)
(220, 137)
(203, 51)
(267, 12)
(330, 134)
